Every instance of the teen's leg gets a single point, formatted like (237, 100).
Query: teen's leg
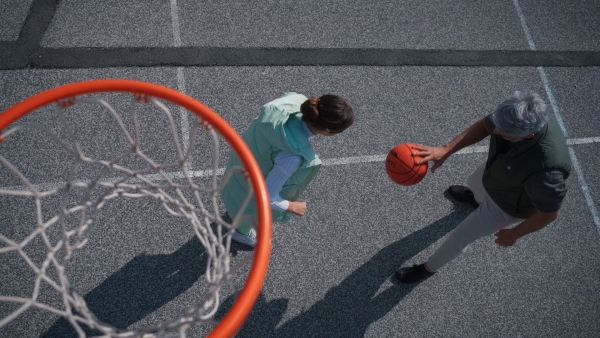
(245, 227)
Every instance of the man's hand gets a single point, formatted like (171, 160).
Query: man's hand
(537, 221)
(505, 237)
(298, 208)
(475, 133)
(435, 154)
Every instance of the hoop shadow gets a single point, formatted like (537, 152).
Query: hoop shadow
(348, 309)
(143, 285)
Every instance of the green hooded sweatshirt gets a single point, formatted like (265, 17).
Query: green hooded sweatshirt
(278, 128)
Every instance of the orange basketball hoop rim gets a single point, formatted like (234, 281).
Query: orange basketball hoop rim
(240, 310)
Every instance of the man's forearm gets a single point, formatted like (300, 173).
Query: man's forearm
(470, 136)
(534, 223)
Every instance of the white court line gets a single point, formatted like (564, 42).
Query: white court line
(585, 188)
(585, 140)
(175, 23)
(552, 101)
(185, 128)
(353, 160)
(524, 25)
(183, 113)
(468, 150)
(583, 184)
(152, 178)
(326, 162)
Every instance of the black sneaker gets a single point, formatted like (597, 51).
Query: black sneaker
(463, 194)
(413, 274)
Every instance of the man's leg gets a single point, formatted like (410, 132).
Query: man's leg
(474, 192)
(475, 183)
(487, 219)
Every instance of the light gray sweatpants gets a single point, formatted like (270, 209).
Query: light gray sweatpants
(487, 219)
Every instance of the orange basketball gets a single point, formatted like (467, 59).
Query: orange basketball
(401, 166)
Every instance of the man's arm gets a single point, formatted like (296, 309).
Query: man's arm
(547, 190)
(535, 222)
(475, 133)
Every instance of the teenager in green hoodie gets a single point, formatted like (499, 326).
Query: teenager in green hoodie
(279, 139)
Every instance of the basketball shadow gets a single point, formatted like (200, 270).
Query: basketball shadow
(348, 309)
(142, 286)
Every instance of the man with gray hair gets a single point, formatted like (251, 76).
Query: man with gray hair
(522, 182)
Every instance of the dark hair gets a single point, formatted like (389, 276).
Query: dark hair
(329, 112)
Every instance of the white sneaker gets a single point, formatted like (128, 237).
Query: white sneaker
(248, 239)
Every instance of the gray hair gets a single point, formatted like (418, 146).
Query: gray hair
(521, 115)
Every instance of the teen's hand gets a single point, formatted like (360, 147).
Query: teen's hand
(298, 208)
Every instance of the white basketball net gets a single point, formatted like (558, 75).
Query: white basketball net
(172, 185)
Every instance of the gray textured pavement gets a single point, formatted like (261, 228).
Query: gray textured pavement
(414, 71)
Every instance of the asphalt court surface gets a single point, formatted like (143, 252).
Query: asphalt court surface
(416, 71)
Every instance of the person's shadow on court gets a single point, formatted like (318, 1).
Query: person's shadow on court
(348, 309)
(139, 288)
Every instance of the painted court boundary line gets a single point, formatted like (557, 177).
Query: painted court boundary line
(183, 113)
(188, 56)
(574, 160)
(26, 52)
(326, 162)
